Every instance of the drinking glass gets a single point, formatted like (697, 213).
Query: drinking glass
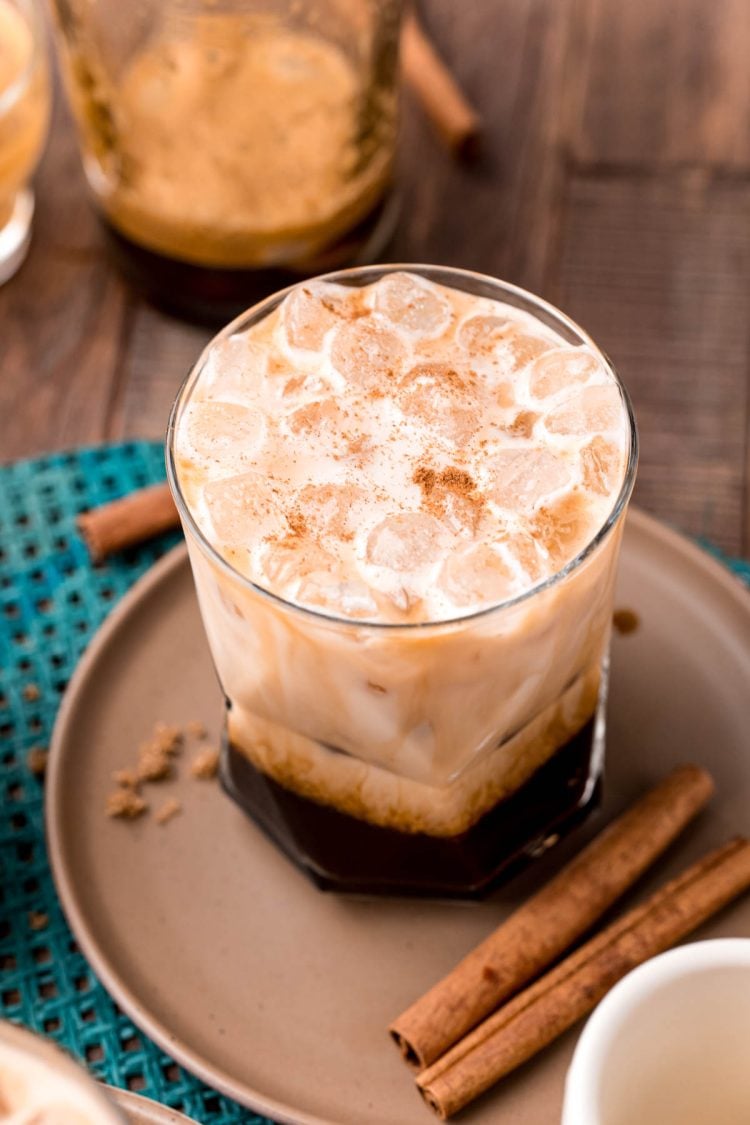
(425, 758)
(24, 115)
(231, 145)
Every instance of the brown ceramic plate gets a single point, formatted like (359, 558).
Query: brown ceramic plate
(143, 1111)
(279, 995)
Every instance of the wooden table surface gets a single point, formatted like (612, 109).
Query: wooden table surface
(615, 182)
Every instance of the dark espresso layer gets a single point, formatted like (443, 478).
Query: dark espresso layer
(341, 852)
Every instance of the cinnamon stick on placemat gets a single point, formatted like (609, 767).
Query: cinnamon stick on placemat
(548, 924)
(442, 99)
(136, 517)
(554, 1003)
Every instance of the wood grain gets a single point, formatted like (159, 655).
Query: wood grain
(615, 180)
(667, 83)
(659, 271)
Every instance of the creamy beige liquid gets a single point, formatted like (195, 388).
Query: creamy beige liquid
(44, 1089)
(403, 454)
(24, 105)
(231, 140)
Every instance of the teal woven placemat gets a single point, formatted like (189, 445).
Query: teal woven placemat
(51, 602)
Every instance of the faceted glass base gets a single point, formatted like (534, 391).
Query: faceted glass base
(342, 853)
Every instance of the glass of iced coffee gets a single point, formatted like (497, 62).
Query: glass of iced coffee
(24, 114)
(40, 1085)
(403, 492)
(233, 146)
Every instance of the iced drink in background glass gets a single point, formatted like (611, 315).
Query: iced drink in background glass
(403, 496)
(231, 143)
(24, 114)
(40, 1085)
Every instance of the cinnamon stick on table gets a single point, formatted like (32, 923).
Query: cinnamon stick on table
(554, 1003)
(549, 922)
(443, 101)
(136, 517)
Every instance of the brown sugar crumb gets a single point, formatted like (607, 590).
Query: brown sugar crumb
(625, 621)
(205, 765)
(38, 920)
(36, 760)
(155, 755)
(125, 803)
(167, 737)
(170, 809)
(154, 763)
(195, 729)
(126, 778)
(31, 693)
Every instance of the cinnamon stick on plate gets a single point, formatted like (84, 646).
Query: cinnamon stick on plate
(136, 517)
(549, 922)
(443, 101)
(554, 1003)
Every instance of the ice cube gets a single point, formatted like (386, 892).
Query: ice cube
(285, 561)
(560, 369)
(332, 511)
(602, 464)
(321, 418)
(412, 304)
(337, 597)
(221, 435)
(442, 397)
(589, 410)
(482, 333)
(368, 354)
(477, 576)
(523, 477)
(311, 309)
(233, 369)
(503, 339)
(244, 509)
(406, 543)
(564, 527)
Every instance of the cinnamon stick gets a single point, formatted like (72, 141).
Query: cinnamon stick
(454, 118)
(549, 922)
(554, 1003)
(136, 517)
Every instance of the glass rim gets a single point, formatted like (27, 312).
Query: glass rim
(440, 274)
(35, 21)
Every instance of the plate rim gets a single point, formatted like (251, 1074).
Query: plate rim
(715, 572)
(133, 1103)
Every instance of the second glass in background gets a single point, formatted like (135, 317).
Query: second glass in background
(234, 145)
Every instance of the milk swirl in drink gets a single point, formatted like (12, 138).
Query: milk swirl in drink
(389, 486)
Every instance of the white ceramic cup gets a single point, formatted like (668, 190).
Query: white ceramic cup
(670, 1044)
